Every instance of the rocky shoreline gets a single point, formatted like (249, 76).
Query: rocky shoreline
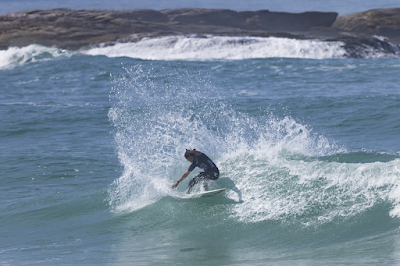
(79, 29)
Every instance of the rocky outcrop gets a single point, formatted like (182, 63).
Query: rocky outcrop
(77, 29)
(383, 22)
(73, 29)
(252, 20)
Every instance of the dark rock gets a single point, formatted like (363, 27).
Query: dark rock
(216, 17)
(384, 22)
(365, 47)
(76, 29)
(73, 29)
(291, 22)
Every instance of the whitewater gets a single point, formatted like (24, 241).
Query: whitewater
(196, 48)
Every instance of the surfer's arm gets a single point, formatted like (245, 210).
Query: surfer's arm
(185, 174)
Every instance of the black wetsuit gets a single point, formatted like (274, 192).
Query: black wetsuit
(211, 171)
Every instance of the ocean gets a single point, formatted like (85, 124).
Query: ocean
(306, 140)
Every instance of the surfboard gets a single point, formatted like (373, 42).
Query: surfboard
(209, 193)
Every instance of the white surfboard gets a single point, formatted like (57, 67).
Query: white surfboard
(209, 193)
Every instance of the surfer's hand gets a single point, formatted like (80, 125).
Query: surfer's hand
(175, 185)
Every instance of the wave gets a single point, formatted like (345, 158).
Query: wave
(221, 48)
(239, 48)
(18, 56)
(209, 48)
(313, 192)
(275, 167)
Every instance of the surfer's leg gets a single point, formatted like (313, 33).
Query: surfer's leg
(207, 177)
(213, 175)
(194, 181)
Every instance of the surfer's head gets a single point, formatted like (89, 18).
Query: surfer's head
(189, 155)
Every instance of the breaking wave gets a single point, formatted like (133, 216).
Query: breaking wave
(18, 56)
(221, 48)
(275, 167)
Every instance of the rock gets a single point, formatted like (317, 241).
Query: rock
(289, 22)
(383, 22)
(77, 29)
(74, 29)
(197, 16)
(253, 20)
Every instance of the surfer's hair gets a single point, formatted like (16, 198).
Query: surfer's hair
(188, 154)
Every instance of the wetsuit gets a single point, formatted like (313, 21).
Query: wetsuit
(211, 171)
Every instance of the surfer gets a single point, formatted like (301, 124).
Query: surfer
(199, 159)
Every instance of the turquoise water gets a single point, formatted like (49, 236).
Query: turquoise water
(306, 141)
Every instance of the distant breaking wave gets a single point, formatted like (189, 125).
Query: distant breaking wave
(238, 48)
(222, 48)
(16, 56)
(203, 48)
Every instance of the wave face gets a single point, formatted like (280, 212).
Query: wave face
(277, 169)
